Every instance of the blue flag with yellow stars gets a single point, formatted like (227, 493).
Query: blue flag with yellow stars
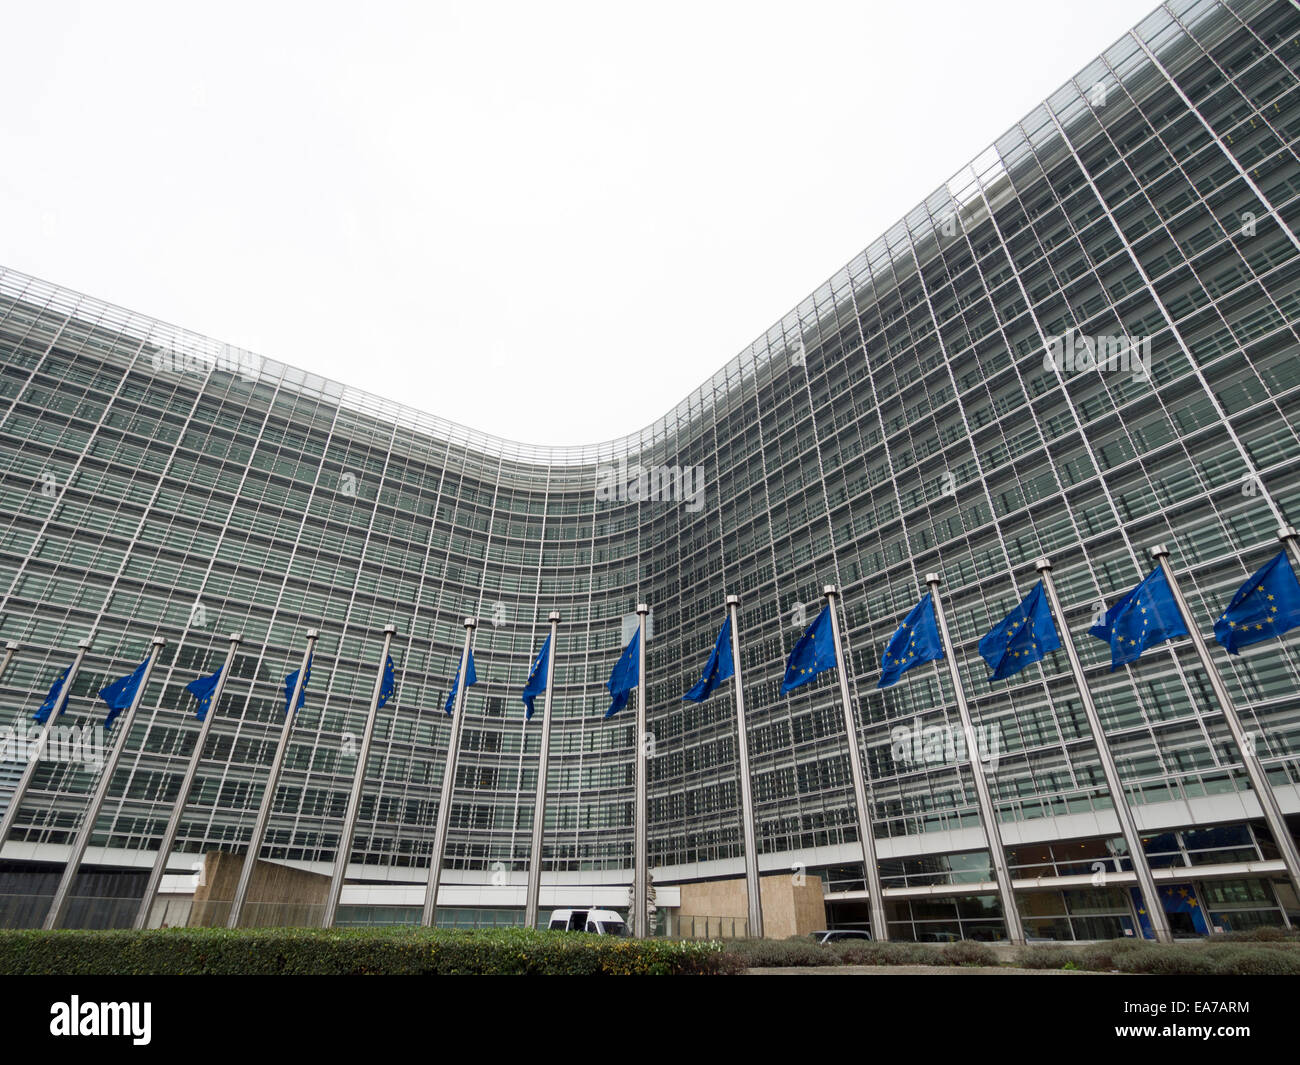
(290, 682)
(1023, 636)
(471, 677)
(387, 686)
(626, 675)
(121, 693)
(813, 654)
(43, 711)
(537, 679)
(1143, 618)
(203, 689)
(1265, 606)
(718, 668)
(916, 641)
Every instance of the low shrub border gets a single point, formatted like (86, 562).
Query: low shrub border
(348, 951)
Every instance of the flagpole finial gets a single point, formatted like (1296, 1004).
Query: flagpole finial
(313, 633)
(471, 623)
(554, 615)
(11, 646)
(932, 578)
(236, 637)
(733, 600)
(1159, 551)
(159, 641)
(84, 643)
(1042, 562)
(390, 629)
(1287, 532)
(829, 589)
(642, 608)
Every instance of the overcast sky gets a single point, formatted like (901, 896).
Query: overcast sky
(549, 221)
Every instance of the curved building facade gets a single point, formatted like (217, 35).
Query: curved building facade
(928, 408)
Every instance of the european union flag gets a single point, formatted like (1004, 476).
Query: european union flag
(914, 642)
(1023, 636)
(471, 677)
(290, 681)
(43, 712)
(537, 679)
(813, 654)
(387, 686)
(203, 689)
(626, 675)
(120, 694)
(718, 668)
(1143, 618)
(1265, 606)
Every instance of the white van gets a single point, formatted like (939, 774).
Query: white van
(602, 922)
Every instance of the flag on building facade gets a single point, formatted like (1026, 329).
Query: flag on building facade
(121, 693)
(1265, 606)
(1144, 617)
(814, 653)
(537, 678)
(1022, 637)
(718, 668)
(915, 641)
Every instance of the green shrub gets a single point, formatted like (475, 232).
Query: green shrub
(345, 951)
(966, 952)
(1045, 957)
(1166, 960)
(1243, 960)
(778, 953)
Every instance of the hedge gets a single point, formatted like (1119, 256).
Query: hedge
(349, 952)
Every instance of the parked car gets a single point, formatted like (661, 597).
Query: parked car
(601, 922)
(838, 935)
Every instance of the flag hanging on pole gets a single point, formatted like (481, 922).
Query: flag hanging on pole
(291, 681)
(1022, 637)
(471, 677)
(718, 668)
(1142, 618)
(626, 675)
(813, 653)
(43, 711)
(915, 641)
(1265, 606)
(388, 686)
(537, 678)
(203, 689)
(121, 693)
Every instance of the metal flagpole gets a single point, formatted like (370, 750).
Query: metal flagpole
(1245, 741)
(268, 796)
(358, 782)
(640, 838)
(992, 832)
(861, 797)
(58, 906)
(1118, 797)
(178, 809)
(34, 756)
(10, 648)
(1287, 534)
(539, 803)
(429, 917)
(752, 882)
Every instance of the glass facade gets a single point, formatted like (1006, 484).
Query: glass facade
(901, 419)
